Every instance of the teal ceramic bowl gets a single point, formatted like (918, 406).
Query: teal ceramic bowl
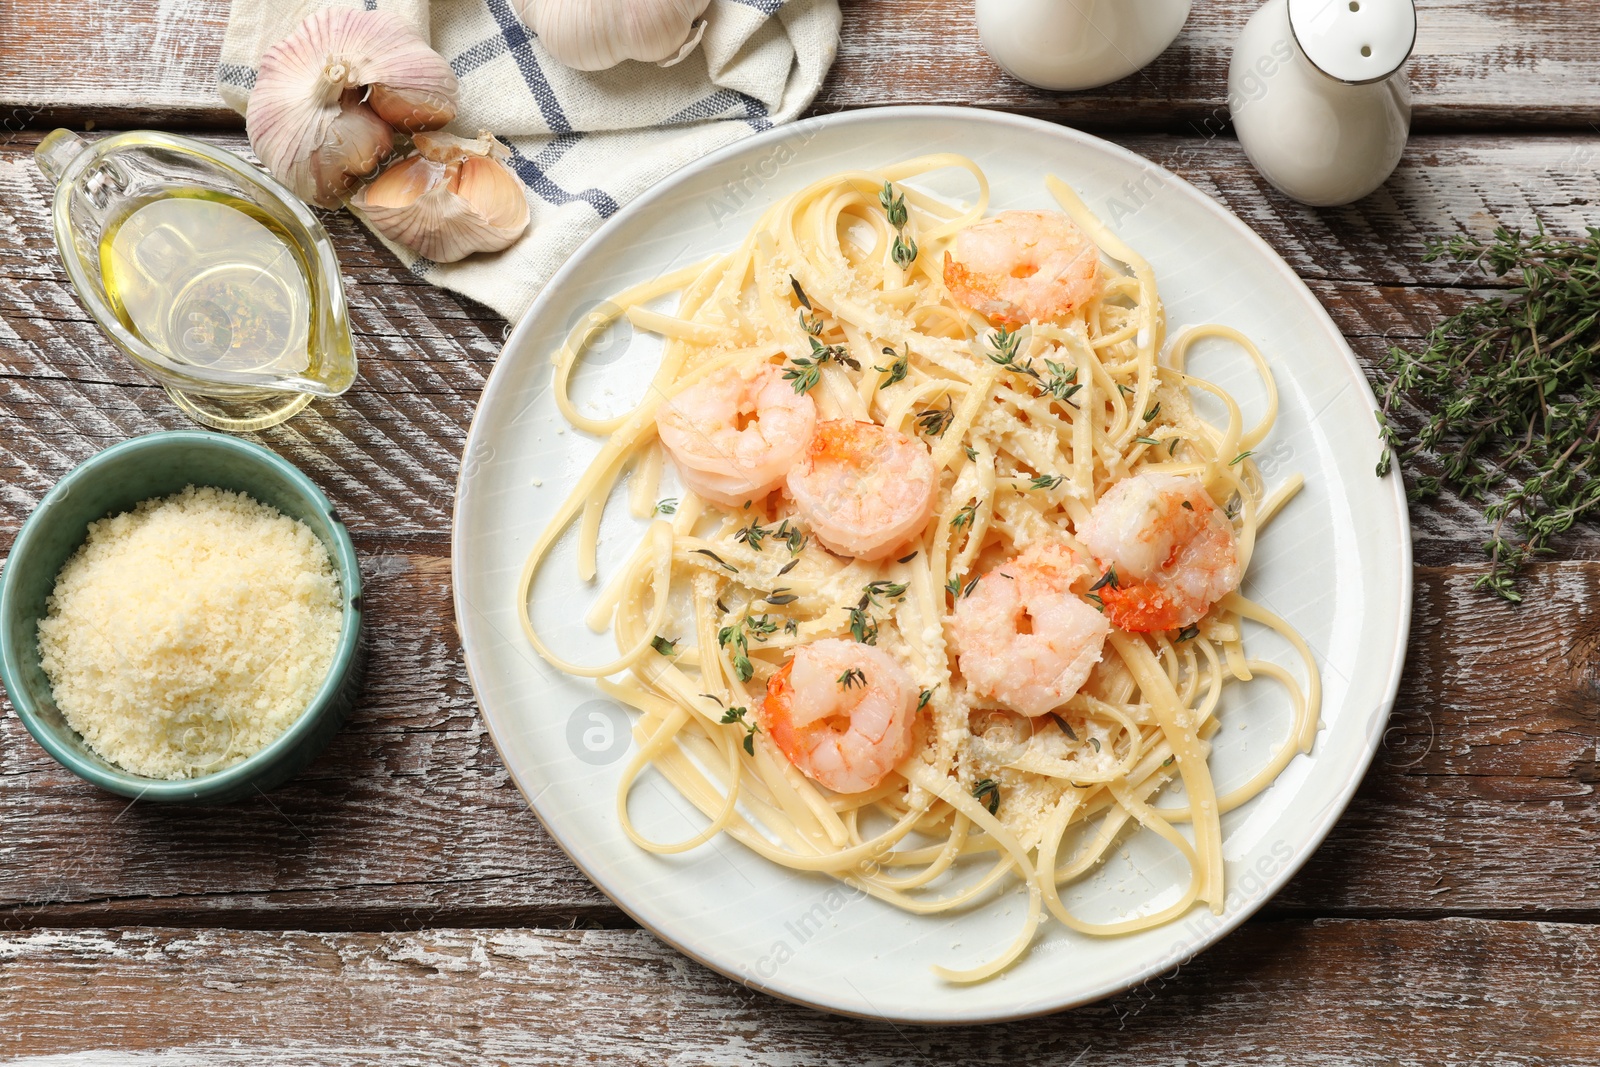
(114, 481)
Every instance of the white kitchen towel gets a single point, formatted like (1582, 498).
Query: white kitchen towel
(584, 143)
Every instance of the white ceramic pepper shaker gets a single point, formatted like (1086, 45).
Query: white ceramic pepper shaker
(1319, 96)
(1077, 44)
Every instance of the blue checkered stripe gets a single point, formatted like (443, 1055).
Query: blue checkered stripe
(515, 40)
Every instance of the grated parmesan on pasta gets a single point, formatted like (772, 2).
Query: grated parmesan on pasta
(189, 633)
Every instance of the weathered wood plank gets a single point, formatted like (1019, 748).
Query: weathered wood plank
(410, 817)
(409, 814)
(425, 353)
(1478, 65)
(1498, 64)
(1315, 994)
(1481, 802)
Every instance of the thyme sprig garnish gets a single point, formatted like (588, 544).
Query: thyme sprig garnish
(1062, 383)
(904, 251)
(863, 627)
(737, 715)
(957, 590)
(1004, 343)
(897, 369)
(854, 676)
(806, 371)
(752, 535)
(792, 536)
(935, 421)
(733, 638)
(1509, 393)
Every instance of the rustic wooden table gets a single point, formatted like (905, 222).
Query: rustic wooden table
(399, 903)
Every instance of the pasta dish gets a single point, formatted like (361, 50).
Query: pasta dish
(948, 596)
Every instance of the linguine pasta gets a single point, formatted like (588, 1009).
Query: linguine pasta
(1027, 429)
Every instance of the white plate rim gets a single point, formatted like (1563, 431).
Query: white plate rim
(1317, 831)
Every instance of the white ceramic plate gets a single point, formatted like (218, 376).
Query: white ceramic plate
(1336, 563)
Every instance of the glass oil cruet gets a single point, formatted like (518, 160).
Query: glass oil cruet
(214, 279)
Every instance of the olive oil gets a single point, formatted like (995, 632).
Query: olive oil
(210, 280)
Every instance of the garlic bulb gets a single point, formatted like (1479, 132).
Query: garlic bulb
(597, 34)
(449, 199)
(310, 121)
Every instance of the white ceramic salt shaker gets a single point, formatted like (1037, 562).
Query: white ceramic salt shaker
(1077, 44)
(1319, 95)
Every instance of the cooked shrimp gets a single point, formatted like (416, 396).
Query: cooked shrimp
(1026, 640)
(1023, 266)
(1173, 549)
(735, 434)
(842, 713)
(865, 490)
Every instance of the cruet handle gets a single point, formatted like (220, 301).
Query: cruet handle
(57, 151)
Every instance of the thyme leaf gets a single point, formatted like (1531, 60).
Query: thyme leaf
(991, 789)
(896, 370)
(707, 552)
(737, 715)
(1502, 402)
(935, 421)
(752, 535)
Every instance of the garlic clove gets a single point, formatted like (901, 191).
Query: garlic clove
(402, 184)
(411, 110)
(301, 120)
(449, 199)
(598, 34)
(356, 142)
(448, 148)
(490, 187)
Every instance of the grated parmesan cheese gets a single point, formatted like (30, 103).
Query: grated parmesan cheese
(189, 633)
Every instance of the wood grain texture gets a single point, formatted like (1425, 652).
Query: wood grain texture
(1480, 804)
(1498, 64)
(1309, 994)
(1479, 64)
(1481, 801)
(1405, 939)
(386, 451)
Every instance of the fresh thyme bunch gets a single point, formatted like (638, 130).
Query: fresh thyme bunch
(1510, 390)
